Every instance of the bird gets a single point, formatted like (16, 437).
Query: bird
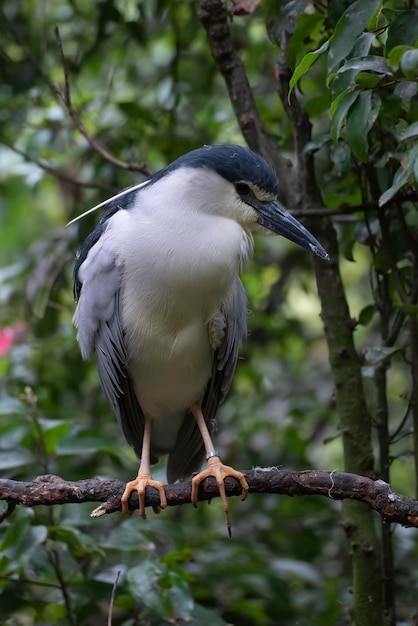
(161, 304)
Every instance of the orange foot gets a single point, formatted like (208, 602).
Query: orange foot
(139, 484)
(219, 471)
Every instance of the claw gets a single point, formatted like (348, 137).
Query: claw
(139, 484)
(219, 471)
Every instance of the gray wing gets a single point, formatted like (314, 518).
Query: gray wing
(98, 277)
(231, 326)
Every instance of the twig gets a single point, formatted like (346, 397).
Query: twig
(56, 172)
(8, 511)
(29, 581)
(78, 124)
(112, 600)
(50, 490)
(56, 565)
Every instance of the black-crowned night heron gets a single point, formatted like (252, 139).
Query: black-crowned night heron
(161, 303)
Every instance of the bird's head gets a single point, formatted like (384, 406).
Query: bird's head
(238, 183)
(223, 179)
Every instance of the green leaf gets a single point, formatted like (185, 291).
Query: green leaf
(15, 458)
(16, 532)
(409, 64)
(348, 250)
(202, 616)
(405, 91)
(305, 64)
(344, 80)
(403, 30)
(402, 175)
(358, 125)
(78, 543)
(339, 110)
(309, 29)
(287, 18)
(364, 80)
(12, 406)
(374, 356)
(85, 442)
(366, 314)
(409, 309)
(53, 431)
(316, 144)
(396, 54)
(410, 131)
(350, 25)
(160, 589)
(368, 63)
(21, 540)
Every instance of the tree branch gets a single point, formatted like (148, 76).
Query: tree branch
(215, 19)
(78, 124)
(355, 419)
(61, 176)
(49, 490)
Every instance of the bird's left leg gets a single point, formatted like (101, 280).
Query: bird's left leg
(215, 467)
(144, 478)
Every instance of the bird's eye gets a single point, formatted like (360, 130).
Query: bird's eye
(243, 189)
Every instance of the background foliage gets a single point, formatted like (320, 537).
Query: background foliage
(143, 83)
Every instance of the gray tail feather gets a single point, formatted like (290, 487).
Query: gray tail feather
(189, 451)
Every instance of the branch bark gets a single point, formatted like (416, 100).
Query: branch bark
(66, 100)
(355, 419)
(215, 20)
(53, 490)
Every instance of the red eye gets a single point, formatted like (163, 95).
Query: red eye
(243, 189)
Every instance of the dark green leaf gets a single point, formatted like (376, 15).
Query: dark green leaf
(53, 432)
(409, 64)
(309, 28)
(350, 25)
(339, 111)
(402, 175)
(403, 30)
(160, 589)
(348, 250)
(78, 543)
(202, 616)
(405, 91)
(366, 314)
(16, 532)
(410, 131)
(396, 54)
(285, 19)
(316, 144)
(364, 80)
(359, 120)
(343, 81)
(305, 64)
(367, 64)
(409, 309)
(85, 442)
(18, 457)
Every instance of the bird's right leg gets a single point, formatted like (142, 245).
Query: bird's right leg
(215, 467)
(144, 478)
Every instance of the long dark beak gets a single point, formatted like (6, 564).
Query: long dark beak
(275, 217)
